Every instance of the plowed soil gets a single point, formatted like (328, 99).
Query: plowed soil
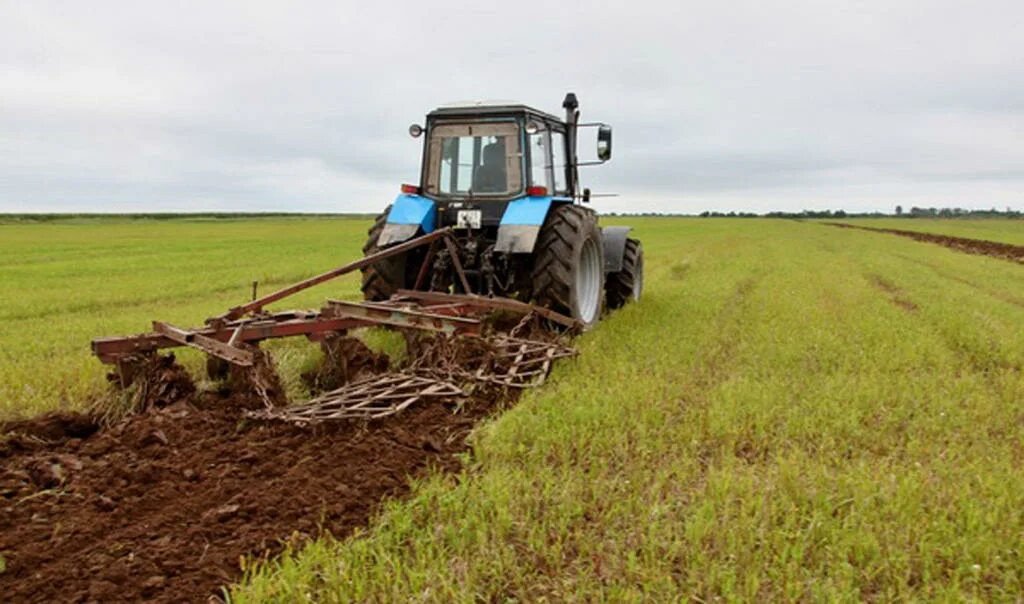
(162, 505)
(971, 246)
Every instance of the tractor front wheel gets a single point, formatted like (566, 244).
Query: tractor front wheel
(568, 269)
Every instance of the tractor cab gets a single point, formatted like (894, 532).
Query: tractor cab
(494, 151)
(502, 178)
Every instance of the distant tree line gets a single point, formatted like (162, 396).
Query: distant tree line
(914, 212)
(171, 216)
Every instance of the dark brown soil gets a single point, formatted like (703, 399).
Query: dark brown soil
(346, 359)
(971, 246)
(162, 505)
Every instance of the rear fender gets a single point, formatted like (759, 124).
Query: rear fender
(520, 224)
(408, 215)
(614, 238)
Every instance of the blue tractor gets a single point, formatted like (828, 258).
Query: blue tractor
(505, 177)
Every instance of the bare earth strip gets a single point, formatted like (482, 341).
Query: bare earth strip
(970, 246)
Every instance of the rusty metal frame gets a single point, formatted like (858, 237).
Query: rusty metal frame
(283, 325)
(258, 304)
(433, 311)
(226, 351)
(403, 316)
(428, 260)
(457, 264)
(485, 302)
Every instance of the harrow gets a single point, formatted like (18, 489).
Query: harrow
(459, 322)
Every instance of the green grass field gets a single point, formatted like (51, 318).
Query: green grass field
(1001, 230)
(792, 412)
(66, 283)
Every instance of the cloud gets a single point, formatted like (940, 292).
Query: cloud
(304, 107)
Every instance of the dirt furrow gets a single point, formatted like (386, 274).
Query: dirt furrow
(981, 247)
(163, 505)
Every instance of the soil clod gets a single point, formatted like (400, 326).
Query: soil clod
(112, 520)
(163, 502)
(346, 359)
(162, 492)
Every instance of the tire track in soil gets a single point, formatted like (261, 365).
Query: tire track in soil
(956, 346)
(162, 505)
(714, 366)
(994, 249)
(999, 295)
(893, 292)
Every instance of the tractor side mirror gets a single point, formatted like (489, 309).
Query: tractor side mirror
(604, 143)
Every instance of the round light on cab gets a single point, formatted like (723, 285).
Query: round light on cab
(532, 127)
(415, 130)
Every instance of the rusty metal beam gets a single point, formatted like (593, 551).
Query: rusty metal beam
(428, 260)
(457, 264)
(108, 349)
(210, 346)
(489, 303)
(259, 303)
(390, 314)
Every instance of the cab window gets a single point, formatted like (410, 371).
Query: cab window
(559, 160)
(474, 159)
(540, 159)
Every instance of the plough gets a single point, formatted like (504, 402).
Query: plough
(232, 339)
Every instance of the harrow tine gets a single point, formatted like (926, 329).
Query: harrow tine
(372, 398)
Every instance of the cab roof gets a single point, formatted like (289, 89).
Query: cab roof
(468, 108)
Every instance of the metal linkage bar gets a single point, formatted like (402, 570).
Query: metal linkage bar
(208, 345)
(258, 304)
(453, 252)
(489, 303)
(399, 316)
(336, 316)
(309, 324)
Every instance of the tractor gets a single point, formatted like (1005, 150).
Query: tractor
(505, 178)
(497, 228)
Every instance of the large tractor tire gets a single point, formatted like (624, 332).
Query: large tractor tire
(383, 278)
(627, 284)
(568, 268)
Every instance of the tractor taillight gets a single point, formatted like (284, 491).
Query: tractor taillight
(410, 189)
(537, 191)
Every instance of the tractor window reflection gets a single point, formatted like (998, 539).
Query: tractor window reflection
(559, 160)
(473, 165)
(540, 160)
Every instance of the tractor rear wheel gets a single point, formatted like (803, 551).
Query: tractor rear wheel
(384, 277)
(627, 284)
(568, 268)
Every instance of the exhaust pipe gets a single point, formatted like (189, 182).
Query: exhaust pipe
(572, 116)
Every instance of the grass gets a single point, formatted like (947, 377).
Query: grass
(1002, 230)
(65, 283)
(792, 412)
(767, 424)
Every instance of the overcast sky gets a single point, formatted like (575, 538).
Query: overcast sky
(170, 106)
